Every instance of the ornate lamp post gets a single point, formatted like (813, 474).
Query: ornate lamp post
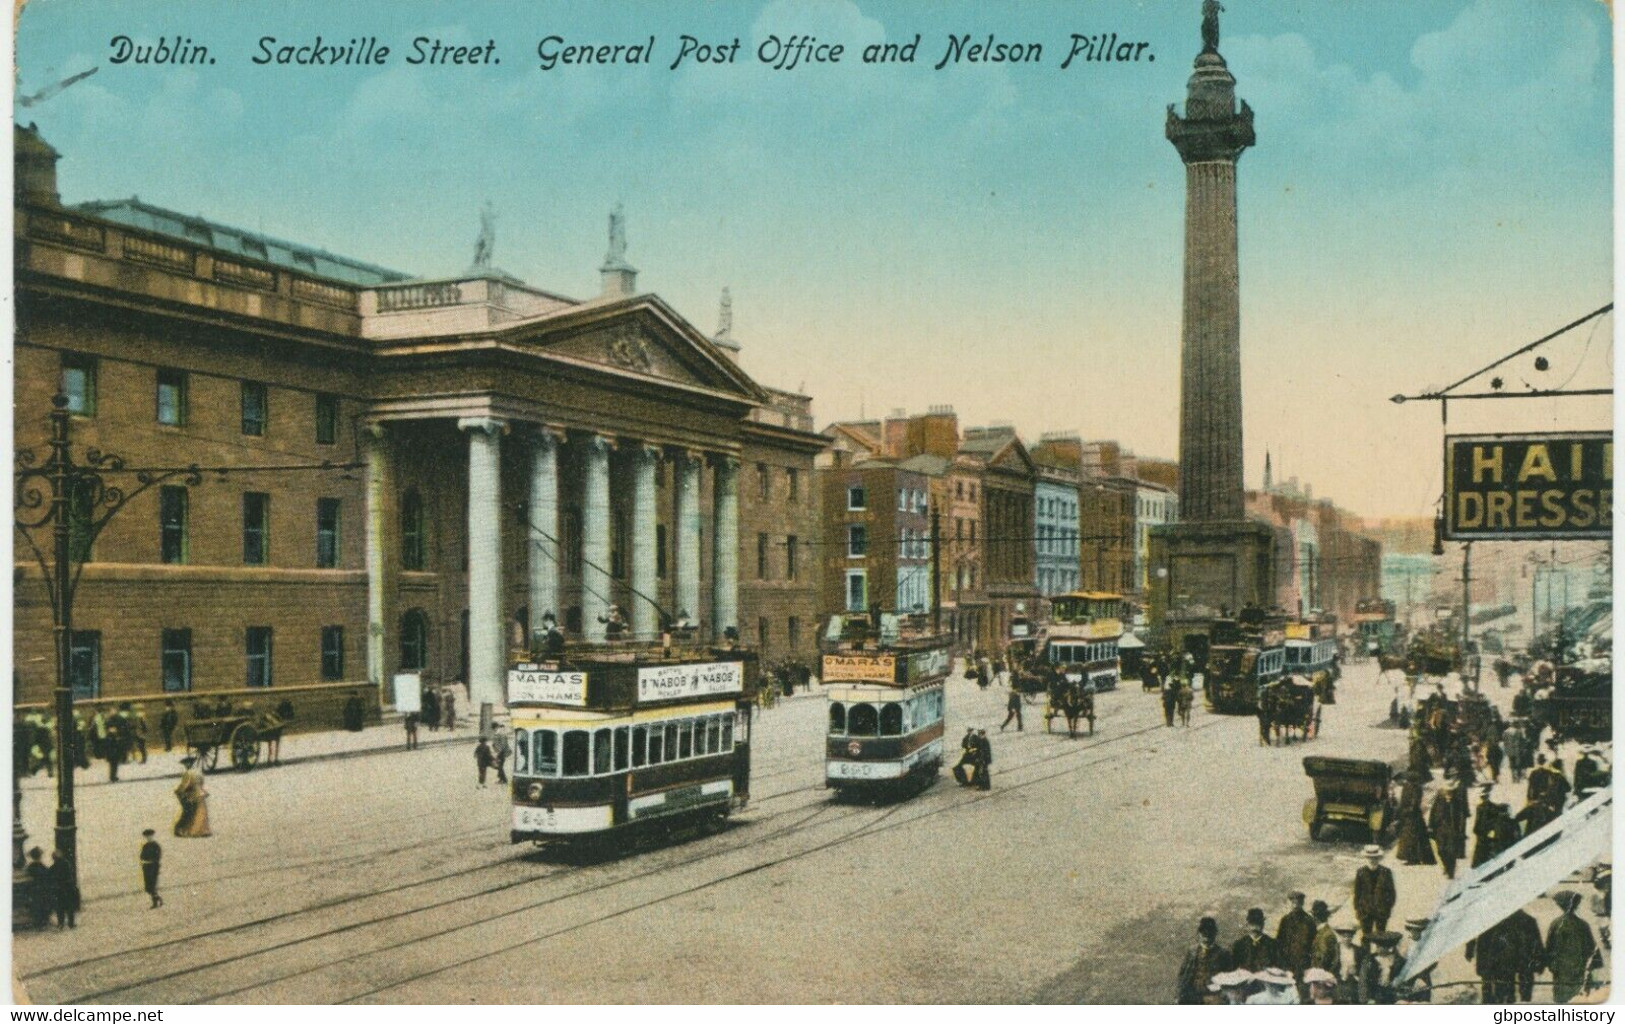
(74, 502)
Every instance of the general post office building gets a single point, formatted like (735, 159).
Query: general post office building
(493, 452)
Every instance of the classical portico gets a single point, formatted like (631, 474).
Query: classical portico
(591, 449)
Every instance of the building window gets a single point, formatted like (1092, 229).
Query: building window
(792, 552)
(902, 499)
(761, 556)
(764, 481)
(327, 419)
(857, 590)
(172, 398)
(792, 632)
(660, 550)
(414, 641)
(172, 545)
(255, 404)
(175, 660)
(85, 664)
(412, 546)
(256, 528)
(258, 641)
(857, 541)
(793, 478)
(332, 653)
(327, 533)
(856, 499)
(79, 383)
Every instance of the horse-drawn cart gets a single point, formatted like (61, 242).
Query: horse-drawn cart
(1349, 792)
(236, 734)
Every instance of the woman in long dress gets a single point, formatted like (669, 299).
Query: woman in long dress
(194, 799)
(1413, 846)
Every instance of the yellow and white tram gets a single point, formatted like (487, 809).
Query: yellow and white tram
(1082, 638)
(602, 745)
(1311, 648)
(886, 704)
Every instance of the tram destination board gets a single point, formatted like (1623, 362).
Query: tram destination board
(1550, 486)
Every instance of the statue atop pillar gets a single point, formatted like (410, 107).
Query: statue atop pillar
(1210, 25)
(725, 317)
(487, 240)
(616, 257)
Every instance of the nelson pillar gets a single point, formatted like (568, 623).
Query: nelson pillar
(1214, 561)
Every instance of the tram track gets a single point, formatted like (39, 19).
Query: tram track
(747, 832)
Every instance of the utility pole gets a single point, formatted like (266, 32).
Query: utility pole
(936, 571)
(1467, 604)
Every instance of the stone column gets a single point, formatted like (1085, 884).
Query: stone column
(725, 547)
(380, 558)
(686, 586)
(645, 515)
(595, 578)
(543, 529)
(486, 682)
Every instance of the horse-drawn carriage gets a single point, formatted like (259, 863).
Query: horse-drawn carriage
(1071, 700)
(1349, 792)
(1292, 709)
(239, 733)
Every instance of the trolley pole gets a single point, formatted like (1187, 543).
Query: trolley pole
(936, 571)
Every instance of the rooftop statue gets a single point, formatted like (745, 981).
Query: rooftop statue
(1210, 25)
(487, 240)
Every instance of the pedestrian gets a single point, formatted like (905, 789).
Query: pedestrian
(1203, 962)
(965, 769)
(1232, 986)
(1503, 955)
(1570, 947)
(1324, 950)
(1170, 702)
(431, 708)
(1589, 774)
(1322, 984)
(193, 822)
(138, 731)
(1516, 746)
(500, 748)
(98, 733)
(40, 896)
(1373, 894)
(1448, 828)
(1379, 974)
(449, 706)
(151, 856)
(411, 730)
(1012, 707)
(984, 678)
(1494, 755)
(1255, 950)
(167, 722)
(1494, 828)
(1420, 988)
(1295, 938)
(1535, 817)
(983, 770)
(1412, 846)
(1280, 989)
(355, 713)
(64, 890)
(483, 758)
(1264, 695)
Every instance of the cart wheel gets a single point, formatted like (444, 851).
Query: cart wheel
(209, 756)
(245, 747)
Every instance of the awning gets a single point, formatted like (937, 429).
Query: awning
(1130, 641)
(1494, 889)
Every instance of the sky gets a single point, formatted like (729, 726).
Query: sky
(1430, 189)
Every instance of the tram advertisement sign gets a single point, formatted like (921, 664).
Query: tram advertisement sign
(536, 686)
(1551, 486)
(922, 665)
(859, 668)
(675, 682)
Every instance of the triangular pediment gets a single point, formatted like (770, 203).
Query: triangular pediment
(640, 336)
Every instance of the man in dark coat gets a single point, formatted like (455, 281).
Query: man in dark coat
(964, 770)
(167, 723)
(1012, 707)
(1295, 937)
(151, 856)
(1373, 894)
(1325, 952)
(1202, 962)
(1588, 774)
(1254, 951)
(1506, 954)
(1494, 828)
(1448, 828)
(982, 771)
(1535, 817)
(40, 895)
(1569, 949)
(64, 890)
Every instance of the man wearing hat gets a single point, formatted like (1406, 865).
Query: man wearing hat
(1203, 962)
(1588, 774)
(1294, 937)
(1420, 988)
(1380, 972)
(1448, 827)
(1494, 828)
(151, 855)
(1324, 950)
(1569, 949)
(1255, 951)
(1373, 893)
(1507, 956)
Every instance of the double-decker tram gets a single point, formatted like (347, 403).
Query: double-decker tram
(1311, 648)
(1082, 638)
(618, 739)
(1238, 658)
(886, 702)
